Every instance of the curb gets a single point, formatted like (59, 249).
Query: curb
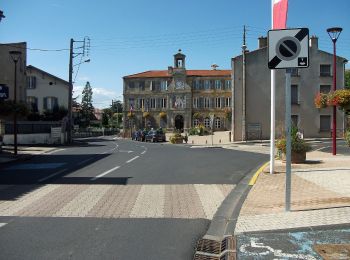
(258, 172)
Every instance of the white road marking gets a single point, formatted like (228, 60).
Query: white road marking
(55, 151)
(132, 159)
(104, 173)
(52, 175)
(269, 250)
(143, 152)
(123, 151)
(2, 224)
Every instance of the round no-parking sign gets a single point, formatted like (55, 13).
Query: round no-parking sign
(288, 48)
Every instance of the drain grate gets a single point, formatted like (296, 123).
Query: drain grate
(333, 251)
(209, 246)
(216, 250)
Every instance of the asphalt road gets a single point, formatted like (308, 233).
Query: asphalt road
(63, 205)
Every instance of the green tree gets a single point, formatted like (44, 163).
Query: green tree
(117, 112)
(87, 109)
(106, 115)
(347, 78)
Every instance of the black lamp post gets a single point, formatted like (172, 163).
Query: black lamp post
(15, 56)
(334, 33)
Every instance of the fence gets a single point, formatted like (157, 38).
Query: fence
(31, 127)
(83, 133)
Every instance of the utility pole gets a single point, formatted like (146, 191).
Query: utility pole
(244, 48)
(72, 55)
(1, 15)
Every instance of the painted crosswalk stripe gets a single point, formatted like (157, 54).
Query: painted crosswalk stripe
(2, 224)
(105, 173)
(132, 159)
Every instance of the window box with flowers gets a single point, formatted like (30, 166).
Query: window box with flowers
(131, 115)
(339, 98)
(146, 114)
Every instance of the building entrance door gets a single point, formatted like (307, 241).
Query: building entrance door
(179, 122)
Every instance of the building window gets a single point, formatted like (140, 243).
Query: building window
(218, 84)
(325, 89)
(294, 93)
(325, 70)
(152, 103)
(294, 72)
(50, 103)
(207, 122)
(195, 102)
(31, 82)
(218, 102)
(163, 102)
(142, 85)
(206, 102)
(131, 84)
(206, 84)
(164, 85)
(228, 102)
(228, 84)
(196, 122)
(32, 103)
(295, 120)
(131, 104)
(325, 123)
(197, 84)
(217, 123)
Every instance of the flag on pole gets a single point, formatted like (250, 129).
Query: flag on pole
(280, 9)
(131, 108)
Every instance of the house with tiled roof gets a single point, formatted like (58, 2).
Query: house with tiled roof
(178, 98)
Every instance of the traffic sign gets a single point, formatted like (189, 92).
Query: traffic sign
(4, 91)
(288, 48)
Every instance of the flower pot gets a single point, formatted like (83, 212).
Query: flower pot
(296, 157)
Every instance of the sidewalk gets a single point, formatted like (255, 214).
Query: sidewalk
(320, 194)
(23, 152)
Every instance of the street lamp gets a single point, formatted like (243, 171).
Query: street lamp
(334, 33)
(15, 56)
(1, 15)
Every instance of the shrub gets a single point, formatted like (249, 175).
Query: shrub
(298, 145)
(347, 136)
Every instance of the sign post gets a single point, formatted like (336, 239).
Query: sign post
(288, 49)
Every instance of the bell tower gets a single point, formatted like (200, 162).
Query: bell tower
(179, 60)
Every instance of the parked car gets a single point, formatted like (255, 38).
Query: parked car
(155, 136)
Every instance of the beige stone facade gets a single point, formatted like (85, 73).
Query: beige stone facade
(178, 98)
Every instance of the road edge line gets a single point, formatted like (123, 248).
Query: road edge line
(256, 175)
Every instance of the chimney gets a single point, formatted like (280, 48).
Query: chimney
(314, 42)
(262, 42)
(170, 70)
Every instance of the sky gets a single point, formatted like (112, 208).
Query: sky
(132, 36)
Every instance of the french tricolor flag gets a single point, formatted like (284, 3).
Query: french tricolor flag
(280, 10)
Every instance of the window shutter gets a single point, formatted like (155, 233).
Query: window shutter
(45, 103)
(34, 82)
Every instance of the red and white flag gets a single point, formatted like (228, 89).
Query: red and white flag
(280, 10)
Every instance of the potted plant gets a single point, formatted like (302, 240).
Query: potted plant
(176, 138)
(298, 146)
(146, 114)
(162, 115)
(130, 115)
(340, 98)
(321, 100)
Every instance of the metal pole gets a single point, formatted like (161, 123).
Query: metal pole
(70, 123)
(334, 128)
(272, 112)
(15, 112)
(288, 139)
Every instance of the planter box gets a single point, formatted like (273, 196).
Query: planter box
(296, 157)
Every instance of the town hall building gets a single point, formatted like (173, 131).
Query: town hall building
(177, 98)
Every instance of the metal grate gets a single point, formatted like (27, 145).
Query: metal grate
(216, 250)
(209, 246)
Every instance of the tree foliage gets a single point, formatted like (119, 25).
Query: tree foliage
(347, 79)
(87, 109)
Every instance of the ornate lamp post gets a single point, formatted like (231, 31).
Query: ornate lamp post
(15, 56)
(334, 33)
